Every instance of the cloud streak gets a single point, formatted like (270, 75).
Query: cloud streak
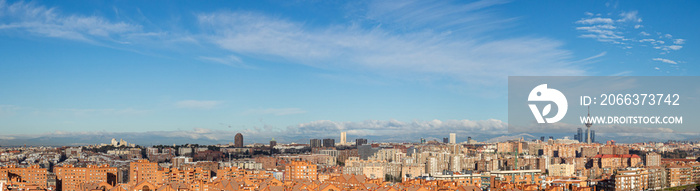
(376, 130)
(665, 60)
(388, 38)
(626, 31)
(49, 22)
(596, 20)
(379, 129)
(198, 104)
(424, 53)
(617, 31)
(276, 111)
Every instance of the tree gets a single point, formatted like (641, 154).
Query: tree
(390, 178)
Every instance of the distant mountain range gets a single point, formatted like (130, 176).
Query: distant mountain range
(162, 138)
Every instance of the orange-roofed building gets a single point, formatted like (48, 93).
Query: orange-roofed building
(32, 176)
(71, 177)
(300, 170)
(143, 170)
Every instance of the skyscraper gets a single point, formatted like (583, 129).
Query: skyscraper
(238, 140)
(328, 142)
(343, 137)
(453, 138)
(579, 135)
(315, 143)
(360, 141)
(445, 140)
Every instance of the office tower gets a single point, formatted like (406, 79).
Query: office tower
(445, 140)
(315, 143)
(579, 135)
(453, 138)
(422, 140)
(360, 141)
(542, 138)
(273, 143)
(469, 140)
(328, 142)
(592, 136)
(238, 140)
(343, 137)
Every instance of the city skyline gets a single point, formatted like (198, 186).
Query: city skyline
(200, 72)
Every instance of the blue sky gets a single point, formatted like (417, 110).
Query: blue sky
(275, 68)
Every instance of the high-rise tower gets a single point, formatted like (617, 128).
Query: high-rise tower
(238, 140)
(343, 138)
(579, 135)
(588, 126)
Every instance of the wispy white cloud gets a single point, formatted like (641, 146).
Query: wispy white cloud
(668, 48)
(679, 41)
(434, 14)
(230, 60)
(24, 17)
(592, 57)
(674, 47)
(424, 52)
(623, 73)
(596, 20)
(198, 104)
(381, 129)
(388, 38)
(629, 16)
(276, 111)
(387, 129)
(601, 29)
(616, 31)
(665, 60)
(392, 128)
